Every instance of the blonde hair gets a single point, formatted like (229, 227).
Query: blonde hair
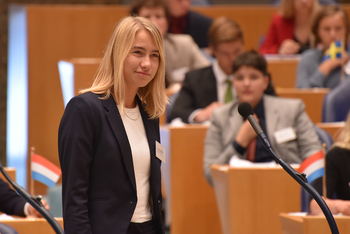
(287, 10)
(223, 30)
(343, 139)
(109, 78)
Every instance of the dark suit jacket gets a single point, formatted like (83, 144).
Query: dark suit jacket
(10, 202)
(198, 91)
(198, 26)
(98, 181)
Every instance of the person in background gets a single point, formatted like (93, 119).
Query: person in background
(181, 52)
(337, 176)
(205, 89)
(230, 135)
(290, 29)
(108, 138)
(185, 21)
(331, 24)
(12, 204)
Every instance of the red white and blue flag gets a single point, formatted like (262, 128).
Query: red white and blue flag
(44, 171)
(313, 166)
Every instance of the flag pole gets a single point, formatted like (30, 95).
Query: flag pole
(31, 178)
(324, 184)
(342, 74)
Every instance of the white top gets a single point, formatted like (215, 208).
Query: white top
(141, 156)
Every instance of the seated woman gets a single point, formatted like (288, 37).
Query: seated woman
(229, 134)
(315, 70)
(337, 176)
(181, 52)
(290, 29)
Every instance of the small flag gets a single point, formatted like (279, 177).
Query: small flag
(334, 51)
(313, 166)
(44, 171)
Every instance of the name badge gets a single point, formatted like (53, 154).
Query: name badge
(285, 135)
(160, 152)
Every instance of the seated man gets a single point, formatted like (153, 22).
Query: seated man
(229, 134)
(12, 204)
(208, 88)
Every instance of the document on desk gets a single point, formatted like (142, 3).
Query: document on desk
(6, 217)
(235, 161)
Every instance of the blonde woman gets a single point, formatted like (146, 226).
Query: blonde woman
(337, 175)
(290, 29)
(108, 137)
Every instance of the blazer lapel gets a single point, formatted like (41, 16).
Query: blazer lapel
(117, 126)
(271, 117)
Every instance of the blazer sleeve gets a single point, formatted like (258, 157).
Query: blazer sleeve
(307, 138)
(75, 144)
(185, 103)
(11, 203)
(270, 44)
(217, 149)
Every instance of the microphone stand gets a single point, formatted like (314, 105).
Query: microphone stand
(33, 201)
(301, 179)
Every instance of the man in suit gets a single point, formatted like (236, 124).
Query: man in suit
(284, 121)
(205, 89)
(12, 204)
(185, 21)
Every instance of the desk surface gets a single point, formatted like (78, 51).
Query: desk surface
(31, 225)
(292, 224)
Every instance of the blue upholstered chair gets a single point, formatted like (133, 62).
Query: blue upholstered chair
(336, 103)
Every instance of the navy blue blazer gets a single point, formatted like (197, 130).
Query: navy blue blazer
(10, 202)
(98, 180)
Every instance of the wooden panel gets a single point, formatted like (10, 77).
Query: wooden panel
(32, 225)
(193, 206)
(313, 99)
(312, 224)
(331, 128)
(283, 71)
(253, 19)
(255, 198)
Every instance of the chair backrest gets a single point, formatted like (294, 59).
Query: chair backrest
(336, 103)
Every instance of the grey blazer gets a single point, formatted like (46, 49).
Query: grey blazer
(181, 52)
(280, 113)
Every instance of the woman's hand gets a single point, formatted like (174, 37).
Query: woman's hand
(289, 46)
(246, 133)
(330, 64)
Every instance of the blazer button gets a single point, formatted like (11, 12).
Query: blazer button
(130, 202)
(159, 201)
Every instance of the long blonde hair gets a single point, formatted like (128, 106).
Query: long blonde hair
(343, 139)
(109, 78)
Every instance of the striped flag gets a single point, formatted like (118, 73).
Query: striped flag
(313, 166)
(44, 171)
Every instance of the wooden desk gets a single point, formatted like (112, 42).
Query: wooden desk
(331, 128)
(32, 226)
(312, 224)
(250, 199)
(313, 99)
(283, 71)
(190, 201)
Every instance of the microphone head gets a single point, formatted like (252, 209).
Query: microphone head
(245, 109)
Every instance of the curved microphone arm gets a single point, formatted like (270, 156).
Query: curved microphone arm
(35, 202)
(301, 179)
(246, 111)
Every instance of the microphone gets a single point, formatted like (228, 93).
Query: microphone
(246, 111)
